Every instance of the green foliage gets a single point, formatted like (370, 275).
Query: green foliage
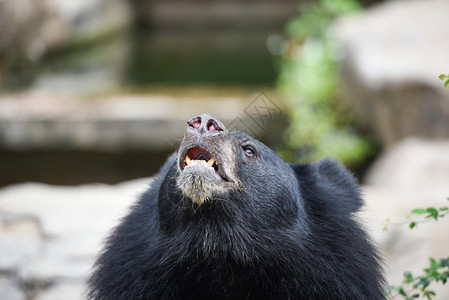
(308, 81)
(316, 16)
(445, 78)
(412, 286)
(420, 215)
(431, 212)
(420, 286)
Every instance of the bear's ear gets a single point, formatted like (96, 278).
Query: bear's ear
(328, 184)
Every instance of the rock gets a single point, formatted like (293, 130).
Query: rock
(48, 121)
(412, 163)
(10, 290)
(73, 223)
(391, 57)
(412, 174)
(406, 249)
(19, 22)
(86, 19)
(65, 290)
(20, 242)
(32, 28)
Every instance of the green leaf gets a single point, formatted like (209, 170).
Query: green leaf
(431, 210)
(412, 225)
(433, 262)
(444, 262)
(428, 294)
(443, 208)
(424, 282)
(433, 213)
(408, 277)
(442, 77)
(418, 211)
(446, 83)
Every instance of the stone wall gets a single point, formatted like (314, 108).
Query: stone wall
(391, 57)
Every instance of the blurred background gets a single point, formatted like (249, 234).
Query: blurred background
(94, 96)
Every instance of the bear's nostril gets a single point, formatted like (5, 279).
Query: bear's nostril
(195, 122)
(212, 126)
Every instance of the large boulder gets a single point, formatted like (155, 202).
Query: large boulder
(412, 163)
(50, 236)
(412, 174)
(391, 57)
(20, 21)
(32, 28)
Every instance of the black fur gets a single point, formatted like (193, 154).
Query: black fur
(287, 232)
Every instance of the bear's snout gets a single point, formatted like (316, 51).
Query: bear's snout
(204, 125)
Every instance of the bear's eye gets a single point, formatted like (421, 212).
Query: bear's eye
(249, 151)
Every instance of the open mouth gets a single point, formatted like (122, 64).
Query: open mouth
(198, 156)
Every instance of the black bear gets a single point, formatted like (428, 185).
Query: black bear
(226, 218)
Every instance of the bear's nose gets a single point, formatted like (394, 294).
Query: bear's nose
(205, 124)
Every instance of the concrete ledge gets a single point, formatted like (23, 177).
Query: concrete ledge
(121, 123)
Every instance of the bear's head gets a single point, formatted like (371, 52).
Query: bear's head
(228, 175)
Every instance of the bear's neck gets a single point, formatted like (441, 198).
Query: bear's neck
(216, 231)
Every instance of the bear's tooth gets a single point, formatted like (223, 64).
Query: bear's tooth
(198, 162)
(210, 162)
(187, 160)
